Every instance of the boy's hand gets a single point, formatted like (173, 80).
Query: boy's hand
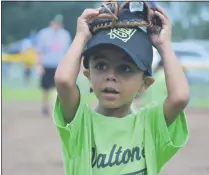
(163, 38)
(177, 96)
(83, 20)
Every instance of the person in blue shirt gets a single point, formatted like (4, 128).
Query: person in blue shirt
(52, 43)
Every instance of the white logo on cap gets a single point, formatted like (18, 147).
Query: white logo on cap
(124, 34)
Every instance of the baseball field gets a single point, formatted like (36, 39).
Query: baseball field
(31, 145)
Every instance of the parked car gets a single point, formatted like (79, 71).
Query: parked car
(203, 43)
(194, 58)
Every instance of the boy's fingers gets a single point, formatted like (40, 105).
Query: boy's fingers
(149, 30)
(162, 18)
(89, 13)
(161, 10)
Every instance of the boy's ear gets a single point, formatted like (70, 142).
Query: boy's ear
(148, 81)
(86, 73)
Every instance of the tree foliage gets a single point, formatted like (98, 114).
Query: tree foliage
(19, 18)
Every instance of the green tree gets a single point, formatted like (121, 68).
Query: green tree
(20, 18)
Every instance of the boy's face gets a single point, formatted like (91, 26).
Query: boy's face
(115, 78)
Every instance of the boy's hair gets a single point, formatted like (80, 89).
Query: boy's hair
(134, 41)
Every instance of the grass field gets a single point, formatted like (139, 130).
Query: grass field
(199, 97)
(13, 89)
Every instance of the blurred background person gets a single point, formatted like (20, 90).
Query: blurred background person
(52, 43)
(26, 49)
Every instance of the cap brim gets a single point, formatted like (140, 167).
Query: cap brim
(88, 52)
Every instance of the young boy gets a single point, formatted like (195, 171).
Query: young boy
(111, 139)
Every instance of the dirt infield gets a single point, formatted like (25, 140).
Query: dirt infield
(31, 145)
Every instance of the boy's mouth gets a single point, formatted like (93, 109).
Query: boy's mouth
(110, 90)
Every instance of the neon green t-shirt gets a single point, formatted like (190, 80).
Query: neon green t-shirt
(138, 144)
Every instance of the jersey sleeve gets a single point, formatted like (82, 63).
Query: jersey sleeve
(168, 139)
(72, 134)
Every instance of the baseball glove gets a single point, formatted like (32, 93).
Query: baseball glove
(126, 13)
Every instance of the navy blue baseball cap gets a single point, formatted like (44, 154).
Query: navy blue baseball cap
(134, 41)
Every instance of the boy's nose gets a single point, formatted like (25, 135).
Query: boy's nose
(110, 77)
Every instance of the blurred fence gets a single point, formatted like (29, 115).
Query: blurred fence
(13, 75)
(14, 87)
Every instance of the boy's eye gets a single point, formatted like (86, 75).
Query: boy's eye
(101, 66)
(125, 69)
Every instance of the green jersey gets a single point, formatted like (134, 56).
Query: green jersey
(138, 144)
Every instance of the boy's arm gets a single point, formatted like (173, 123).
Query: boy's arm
(176, 82)
(68, 69)
(66, 76)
